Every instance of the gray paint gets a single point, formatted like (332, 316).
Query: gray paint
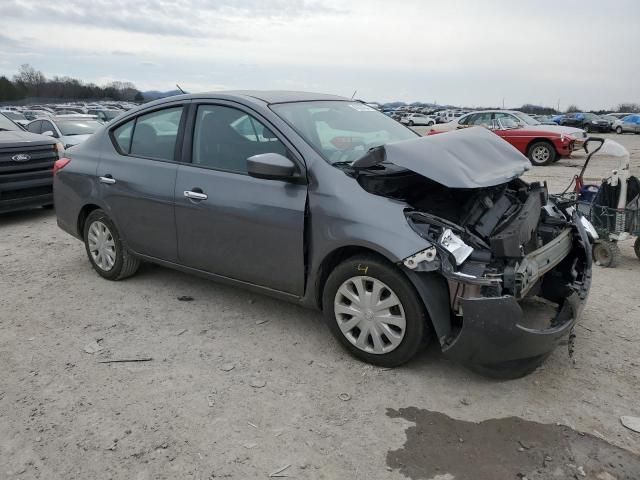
(250, 230)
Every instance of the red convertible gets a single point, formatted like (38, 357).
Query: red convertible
(541, 146)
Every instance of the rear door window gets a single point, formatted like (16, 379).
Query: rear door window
(122, 136)
(155, 134)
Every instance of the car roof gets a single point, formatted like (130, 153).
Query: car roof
(267, 96)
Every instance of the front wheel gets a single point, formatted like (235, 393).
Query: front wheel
(411, 123)
(606, 254)
(619, 130)
(106, 252)
(374, 311)
(541, 153)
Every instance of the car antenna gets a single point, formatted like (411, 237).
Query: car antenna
(180, 88)
(354, 93)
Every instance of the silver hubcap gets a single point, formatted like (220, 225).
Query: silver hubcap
(541, 154)
(101, 246)
(370, 315)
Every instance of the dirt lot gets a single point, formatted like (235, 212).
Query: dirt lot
(240, 386)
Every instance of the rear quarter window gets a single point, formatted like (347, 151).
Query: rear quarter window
(122, 136)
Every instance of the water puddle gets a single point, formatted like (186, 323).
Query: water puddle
(439, 447)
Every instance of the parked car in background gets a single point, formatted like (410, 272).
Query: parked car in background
(544, 119)
(589, 122)
(417, 119)
(398, 236)
(33, 114)
(611, 119)
(16, 116)
(630, 124)
(557, 118)
(70, 130)
(541, 146)
(447, 116)
(104, 115)
(26, 167)
(486, 118)
(619, 115)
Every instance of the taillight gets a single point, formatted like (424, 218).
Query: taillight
(60, 164)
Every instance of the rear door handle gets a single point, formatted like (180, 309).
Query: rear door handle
(195, 195)
(108, 179)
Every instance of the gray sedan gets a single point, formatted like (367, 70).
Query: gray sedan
(326, 202)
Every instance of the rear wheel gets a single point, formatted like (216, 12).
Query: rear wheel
(606, 254)
(106, 252)
(374, 311)
(619, 130)
(541, 153)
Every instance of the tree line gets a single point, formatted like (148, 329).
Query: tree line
(29, 82)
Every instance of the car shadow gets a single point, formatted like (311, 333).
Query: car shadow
(25, 216)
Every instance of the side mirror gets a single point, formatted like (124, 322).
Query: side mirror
(270, 166)
(48, 133)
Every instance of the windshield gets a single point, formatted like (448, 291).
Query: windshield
(342, 132)
(78, 127)
(526, 118)
(6, 124)
(509, 122)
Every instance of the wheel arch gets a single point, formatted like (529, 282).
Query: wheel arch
(431, 287)
(82, 217)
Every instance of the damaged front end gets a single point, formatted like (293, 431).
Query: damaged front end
(522, 281)
(517, 267)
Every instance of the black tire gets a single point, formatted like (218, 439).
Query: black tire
(125, 263)
(636, 247)
(587, 128)
(619, 130)
(411, 123)
(536, 155)
(606, 254)
(48, 206)
(417, 327)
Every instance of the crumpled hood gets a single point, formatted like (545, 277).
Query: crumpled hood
(467, 158)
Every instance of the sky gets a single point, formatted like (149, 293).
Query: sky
(461, 52)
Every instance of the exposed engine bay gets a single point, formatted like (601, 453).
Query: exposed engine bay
(501, 238)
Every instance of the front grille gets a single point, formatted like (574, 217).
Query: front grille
(30, 178)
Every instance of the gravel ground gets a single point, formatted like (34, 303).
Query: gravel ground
(240, 385)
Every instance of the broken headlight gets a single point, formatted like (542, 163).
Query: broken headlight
(455, 246)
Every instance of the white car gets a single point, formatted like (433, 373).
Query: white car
(16, 116)
(486, 117)
(417, 119)
(69, 129)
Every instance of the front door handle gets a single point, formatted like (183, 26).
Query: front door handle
(108, 179)
(195, 195)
